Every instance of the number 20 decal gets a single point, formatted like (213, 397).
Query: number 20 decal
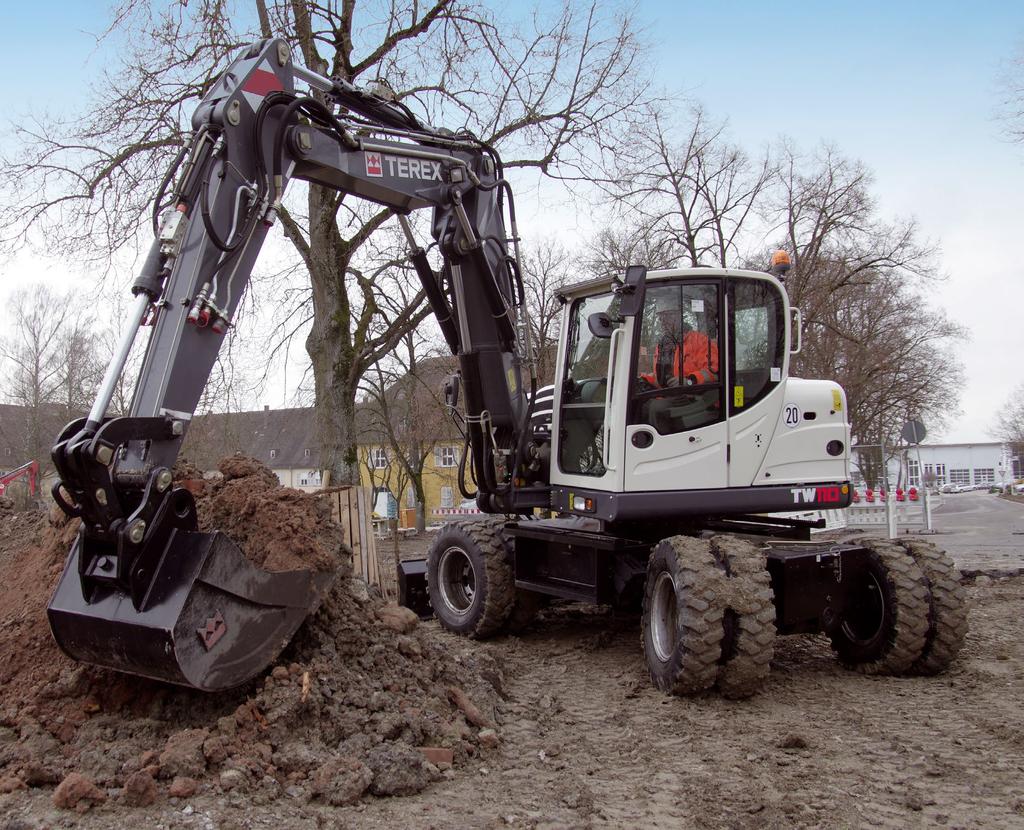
(791, 415)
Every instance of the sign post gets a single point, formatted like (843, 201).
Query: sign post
(914, 433)
(890, 499)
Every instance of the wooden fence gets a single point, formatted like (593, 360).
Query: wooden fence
(352, 508)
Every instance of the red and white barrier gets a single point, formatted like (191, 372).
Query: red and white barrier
(455, 511)
(869, 496)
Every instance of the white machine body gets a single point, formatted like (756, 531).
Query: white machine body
(726, 416)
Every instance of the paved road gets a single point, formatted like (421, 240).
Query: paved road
(981, 530)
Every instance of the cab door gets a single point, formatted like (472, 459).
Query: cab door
(757, 369)
(677, 434)
(591, 387)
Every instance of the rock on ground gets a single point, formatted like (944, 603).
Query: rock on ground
(76, 792)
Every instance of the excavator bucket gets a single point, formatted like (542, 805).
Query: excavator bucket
(208, 618)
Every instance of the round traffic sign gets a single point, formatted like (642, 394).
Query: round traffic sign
(913, 432)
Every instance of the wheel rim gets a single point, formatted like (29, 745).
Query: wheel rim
(863, 625)
(456, 580)
(663, 617)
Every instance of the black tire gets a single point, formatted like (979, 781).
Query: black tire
(947, 608)
(886, 630)
(749, 642)
(469, 578)
(683, 608)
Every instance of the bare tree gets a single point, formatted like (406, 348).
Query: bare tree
(830, 225)
(1011, 83)
(547, 267)
(693, 190)
(50, 363)
(857, 282)
(1009, 422)
(547, 93)
(891, 354)
(615, 247)
(404, 407)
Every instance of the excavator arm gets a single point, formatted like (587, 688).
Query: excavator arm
(140, 573)
(29, 470)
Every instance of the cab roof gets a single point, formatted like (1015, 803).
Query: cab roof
(599, 285)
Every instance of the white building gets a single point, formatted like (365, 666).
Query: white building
(939, 464)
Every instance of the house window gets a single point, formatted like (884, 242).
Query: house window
(447, 497)
(310, 479)
(985, 475)
(305, 453)
(410, 498)
(960, 476)
(7, 451)
(914, 473)
(446, 457)
(378, 458)
(273, 453)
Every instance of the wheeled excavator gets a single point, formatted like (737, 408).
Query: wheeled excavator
(630, 481)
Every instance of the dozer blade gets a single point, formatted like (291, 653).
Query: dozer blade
(210, 619)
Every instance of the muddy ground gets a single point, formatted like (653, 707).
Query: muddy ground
(581, 739)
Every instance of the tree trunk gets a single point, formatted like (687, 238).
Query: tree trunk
(334, 359)
(335, 414)
(421, 502)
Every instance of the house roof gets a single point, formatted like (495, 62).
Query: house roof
(290, 434)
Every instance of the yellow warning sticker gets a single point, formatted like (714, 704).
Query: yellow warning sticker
(511, 380)
(737, 396)
(837, 400)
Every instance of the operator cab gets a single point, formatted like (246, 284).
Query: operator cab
(684, 402)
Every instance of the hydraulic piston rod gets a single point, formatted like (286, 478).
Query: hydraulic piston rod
(116, 366)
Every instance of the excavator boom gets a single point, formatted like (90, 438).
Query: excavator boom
(29, 470)
(143, 590)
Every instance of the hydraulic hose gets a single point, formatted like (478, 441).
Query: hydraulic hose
(179, 157)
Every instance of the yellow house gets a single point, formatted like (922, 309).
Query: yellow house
(380, 470)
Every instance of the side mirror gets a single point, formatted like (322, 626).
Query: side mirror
(600, 324)
(632, 291)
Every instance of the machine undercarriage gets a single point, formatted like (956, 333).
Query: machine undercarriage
(711, 604)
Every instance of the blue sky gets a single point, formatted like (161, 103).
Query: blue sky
(909, 88)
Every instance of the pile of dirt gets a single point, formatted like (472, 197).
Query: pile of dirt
(365, 699)
(278, 528)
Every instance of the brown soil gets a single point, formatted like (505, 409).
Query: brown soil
(583, 740)
(359, 689)
(278, 528)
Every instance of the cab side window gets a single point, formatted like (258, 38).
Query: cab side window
(678, 382)
(757, 330)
